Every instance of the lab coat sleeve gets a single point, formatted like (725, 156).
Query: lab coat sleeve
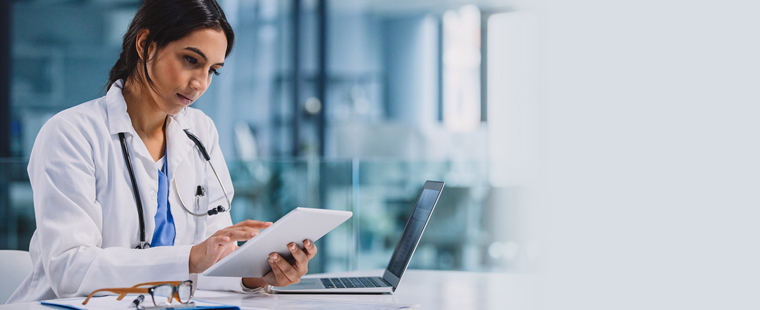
(216, 198)
(69, 219)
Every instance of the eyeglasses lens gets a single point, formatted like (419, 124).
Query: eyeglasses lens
(162, 294)
(184, 290)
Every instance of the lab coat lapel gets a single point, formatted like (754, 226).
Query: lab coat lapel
(177, 144)
(146, 174)
(179, 150)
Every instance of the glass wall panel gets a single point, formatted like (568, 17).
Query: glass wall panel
(380, 193)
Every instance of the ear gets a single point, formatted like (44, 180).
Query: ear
(142, 37)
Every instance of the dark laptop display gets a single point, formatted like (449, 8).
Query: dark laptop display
(400, 259)
(413, 231)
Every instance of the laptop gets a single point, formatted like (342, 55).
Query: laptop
(396, 267)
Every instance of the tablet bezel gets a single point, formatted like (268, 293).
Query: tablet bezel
(251, 259)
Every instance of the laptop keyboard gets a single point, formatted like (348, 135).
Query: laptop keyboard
(353, 282)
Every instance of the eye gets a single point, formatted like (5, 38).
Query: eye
(212, 70)
(191, 60)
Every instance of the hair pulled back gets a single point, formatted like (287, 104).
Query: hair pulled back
(167, 21)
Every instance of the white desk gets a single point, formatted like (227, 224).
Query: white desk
(426, 288)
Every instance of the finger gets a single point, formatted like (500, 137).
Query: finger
(280, 279)
(276, 273)
(226, 251)
(285, 268)
(253, 224)
(301, 260)
(217, 247)
(220, 239)
(237, 233)
(310, 248)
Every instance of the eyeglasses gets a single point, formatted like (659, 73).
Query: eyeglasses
(161, 292)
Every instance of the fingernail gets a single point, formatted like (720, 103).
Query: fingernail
(292, 247)
(274, 257)
(308, 243)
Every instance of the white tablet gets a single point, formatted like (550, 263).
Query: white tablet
(251, 259)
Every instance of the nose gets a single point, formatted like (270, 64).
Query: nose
(199, 81)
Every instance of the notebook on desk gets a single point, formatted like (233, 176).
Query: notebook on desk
(110, 302)
(399, 260)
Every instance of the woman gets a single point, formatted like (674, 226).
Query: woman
(87, 226)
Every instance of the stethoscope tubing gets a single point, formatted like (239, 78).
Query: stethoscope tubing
(136, 191)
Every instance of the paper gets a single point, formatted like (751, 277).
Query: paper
(299, 302)
(307, 304)
(110, 303)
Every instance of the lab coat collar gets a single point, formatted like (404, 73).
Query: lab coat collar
(118, 118)
(116, 107)
(182, 120)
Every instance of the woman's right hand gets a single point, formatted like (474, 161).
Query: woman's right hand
(222, 243)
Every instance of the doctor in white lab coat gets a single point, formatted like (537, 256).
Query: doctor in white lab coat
(87, 218)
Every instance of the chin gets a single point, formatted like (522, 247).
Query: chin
(173, 109)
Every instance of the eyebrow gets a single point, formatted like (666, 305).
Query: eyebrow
(197, 51)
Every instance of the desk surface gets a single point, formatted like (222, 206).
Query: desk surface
(427, 288)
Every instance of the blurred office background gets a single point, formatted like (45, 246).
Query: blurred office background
(334, 104)
(646, 114)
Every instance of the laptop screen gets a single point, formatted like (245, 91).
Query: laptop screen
(413, 231)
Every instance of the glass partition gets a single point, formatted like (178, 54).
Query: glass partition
(16, 205)
(381, 194)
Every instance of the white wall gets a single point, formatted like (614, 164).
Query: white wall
(513, 107)
(650, 158)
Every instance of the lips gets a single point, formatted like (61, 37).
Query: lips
(185, 100)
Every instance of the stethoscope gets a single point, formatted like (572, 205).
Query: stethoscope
(198, 193)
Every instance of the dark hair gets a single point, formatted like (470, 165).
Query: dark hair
(167, 21)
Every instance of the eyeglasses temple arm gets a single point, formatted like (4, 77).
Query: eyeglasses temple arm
(175, 283)
(122, 291)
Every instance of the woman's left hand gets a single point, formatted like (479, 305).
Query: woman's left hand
(284, 272)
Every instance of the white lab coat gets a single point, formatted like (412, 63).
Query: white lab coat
(87, 222)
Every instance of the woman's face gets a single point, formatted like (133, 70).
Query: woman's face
(182, 70)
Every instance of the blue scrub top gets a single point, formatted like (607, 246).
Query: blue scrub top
(165, 232)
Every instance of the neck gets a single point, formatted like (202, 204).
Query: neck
(147, 119)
